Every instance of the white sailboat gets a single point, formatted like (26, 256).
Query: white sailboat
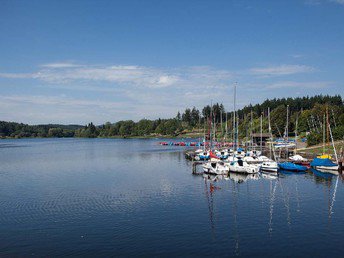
(215, 167)
(268, 164)
(240, 166)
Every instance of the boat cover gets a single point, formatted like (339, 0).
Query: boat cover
(291, 167)
(322, 162)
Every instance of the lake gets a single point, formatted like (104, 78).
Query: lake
(133, 197)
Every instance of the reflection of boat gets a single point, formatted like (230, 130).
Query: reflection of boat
(326, 176)
(240, 177)
(269, 175)
(272, 199)
(215, 178)
(289, 172)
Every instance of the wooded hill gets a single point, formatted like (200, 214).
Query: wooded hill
(309, 112)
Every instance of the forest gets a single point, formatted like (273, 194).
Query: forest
(307, 116)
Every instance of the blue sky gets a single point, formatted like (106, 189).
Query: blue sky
(81, 61)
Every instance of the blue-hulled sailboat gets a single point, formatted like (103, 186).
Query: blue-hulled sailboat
(324, 165)
(288, 166)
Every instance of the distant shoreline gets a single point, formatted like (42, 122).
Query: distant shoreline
(110, 137)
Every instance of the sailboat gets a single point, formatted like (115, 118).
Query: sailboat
(214, 165)
(289, 166)
(298, 159)
(240, 166)
(237, 163)
(268, 165)
(324, 164)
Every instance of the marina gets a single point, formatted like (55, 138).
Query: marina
(171, 128)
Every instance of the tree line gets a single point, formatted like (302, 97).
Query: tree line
(307, 115)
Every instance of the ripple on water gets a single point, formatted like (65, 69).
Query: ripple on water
(113, 198)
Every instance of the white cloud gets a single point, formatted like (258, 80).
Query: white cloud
(281, 70)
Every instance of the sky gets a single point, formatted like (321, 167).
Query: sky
(75, 62)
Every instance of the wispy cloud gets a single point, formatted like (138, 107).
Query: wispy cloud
(319, 2)
(297, 56)
(281, 70)
(313, 2)
(293, 84)
(99, 93)
(338, 1)
(61, 65)
(150, 77)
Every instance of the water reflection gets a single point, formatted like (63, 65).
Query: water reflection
(272, 200)
(326, 179)
(136, 198)
(240, 177)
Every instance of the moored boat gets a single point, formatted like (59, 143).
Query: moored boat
(325, 165)
(215, 167)
(269, 166)
(289, 166)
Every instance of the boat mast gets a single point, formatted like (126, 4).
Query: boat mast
(210, 126)
(234, 118)
(221, 125)
(287, 133)
(271, 138)
(334, 119)
(226, 128)
(251, 136)
(261, 133)
(204, 140)
(237, 131)
(334, 147)
(324, 137)
(296, 125)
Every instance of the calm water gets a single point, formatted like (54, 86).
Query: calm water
(104, 197)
